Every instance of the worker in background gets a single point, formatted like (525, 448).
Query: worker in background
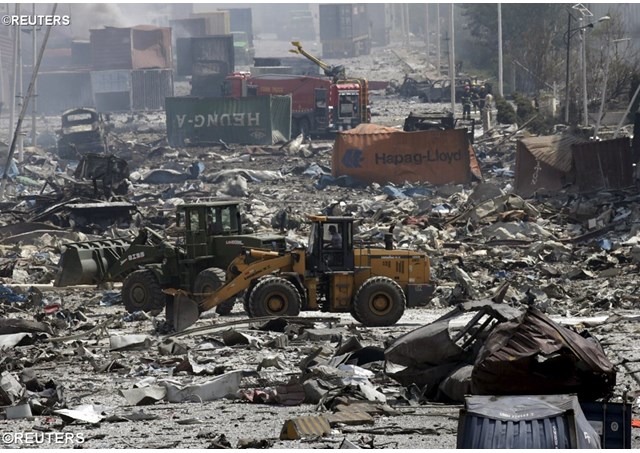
(475, 97)
(466, 103)
(485, 113)
(482, 94)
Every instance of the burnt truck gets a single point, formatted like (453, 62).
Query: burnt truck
(82, 131)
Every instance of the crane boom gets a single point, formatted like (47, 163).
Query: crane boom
(337, 72)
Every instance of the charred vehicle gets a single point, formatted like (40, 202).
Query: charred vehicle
(82, 131)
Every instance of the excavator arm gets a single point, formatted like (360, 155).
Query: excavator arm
(269, 263)
(184, 311)
(337, 72)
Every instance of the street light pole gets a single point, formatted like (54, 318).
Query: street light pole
(584, 67)
(500, 78)
(438, 36)
(585, 107)
(426, 30)
(566, 90)
(452, 63)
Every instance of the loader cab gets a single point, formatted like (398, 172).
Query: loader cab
(330, 245)
(202, 221)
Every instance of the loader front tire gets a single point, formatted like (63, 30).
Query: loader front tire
(380, 301)
(274, 296)
(141, 291)
(208, 281)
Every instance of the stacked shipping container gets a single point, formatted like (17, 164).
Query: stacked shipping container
(131, 67)
(344, 30)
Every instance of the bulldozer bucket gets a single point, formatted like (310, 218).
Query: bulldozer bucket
(86, 263)
(182, 311)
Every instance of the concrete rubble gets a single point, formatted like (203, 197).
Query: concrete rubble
(72, 359)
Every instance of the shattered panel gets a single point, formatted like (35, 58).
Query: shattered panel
(605, 165)
(534, 355)
(533, 174)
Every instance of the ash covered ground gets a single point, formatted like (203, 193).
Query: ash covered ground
(590, 284)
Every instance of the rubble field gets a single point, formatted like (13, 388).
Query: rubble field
(78, 363)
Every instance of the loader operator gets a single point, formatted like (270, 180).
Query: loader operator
(335, 242)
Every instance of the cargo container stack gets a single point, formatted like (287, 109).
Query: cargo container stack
(131, 68)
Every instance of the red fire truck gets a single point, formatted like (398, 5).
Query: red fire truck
(318, 105)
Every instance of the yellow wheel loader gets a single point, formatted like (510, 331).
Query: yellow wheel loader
(373, 284)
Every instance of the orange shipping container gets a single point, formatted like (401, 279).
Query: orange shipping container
(373, 153)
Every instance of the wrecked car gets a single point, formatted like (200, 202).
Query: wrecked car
(82, 131)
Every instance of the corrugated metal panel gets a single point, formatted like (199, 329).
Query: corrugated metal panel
(280, 118)
(6, 53)
(81, 53)
(118, 80)
(150, 87)
(554, 150)
(301, 427)
(141, 47)
(208, 120)
(207, 85)
(217, 22)
(532, 174)
(110, 48)
(343, 21)
(530, 421)
(59, 91)
(206, 55)
(604, 165)
(523, 357)
(379, 15)
(151, 48)
(188, 28)
(111, 90)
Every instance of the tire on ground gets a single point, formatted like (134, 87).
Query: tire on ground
(141, 291)
(209, 280)
(380, 301)
(274, 296)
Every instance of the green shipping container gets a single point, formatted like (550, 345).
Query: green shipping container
(260, 120)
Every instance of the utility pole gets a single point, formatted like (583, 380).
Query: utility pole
(438, 36)
(452, 63)
(35, 83)
(426, 30)
(25, 105)
(500, 79)
(407, 21)
(585, 107)
(20, 96)
(14, 81)
(566, 81)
